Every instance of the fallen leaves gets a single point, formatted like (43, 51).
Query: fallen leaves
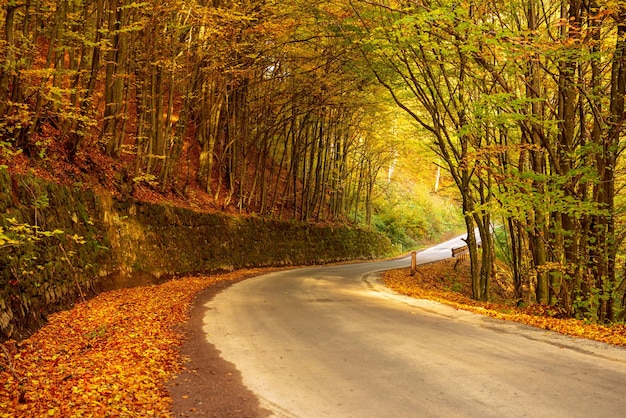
(112, 355)
(441, 283)
(109, 356)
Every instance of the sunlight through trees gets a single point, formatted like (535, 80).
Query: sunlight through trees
(303, 110)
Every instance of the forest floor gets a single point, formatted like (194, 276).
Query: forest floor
(443, 283)
(116, 354)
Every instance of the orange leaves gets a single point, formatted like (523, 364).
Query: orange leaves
(441, 283)
(108, 356)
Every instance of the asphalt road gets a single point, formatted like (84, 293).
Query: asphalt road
(333, 342)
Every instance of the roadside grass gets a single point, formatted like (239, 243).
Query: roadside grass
(440, 282)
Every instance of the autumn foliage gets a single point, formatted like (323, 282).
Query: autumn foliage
(524, 102)
(112, 355)
(243, 106)
(443, 283)
(109, 356)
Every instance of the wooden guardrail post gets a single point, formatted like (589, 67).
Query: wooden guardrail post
(461, 254)
(413, 262)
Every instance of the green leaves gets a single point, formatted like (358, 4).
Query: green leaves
(520, 100)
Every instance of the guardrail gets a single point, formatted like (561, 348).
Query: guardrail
(460, 251)
(461, 254)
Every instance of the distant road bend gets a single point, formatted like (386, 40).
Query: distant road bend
(333, 342)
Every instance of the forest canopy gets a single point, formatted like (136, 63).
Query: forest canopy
(250, 106)
(324, 111)
(524, 101)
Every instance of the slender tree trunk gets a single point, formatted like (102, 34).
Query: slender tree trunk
(10, 59)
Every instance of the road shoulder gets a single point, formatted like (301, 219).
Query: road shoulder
(209, 386)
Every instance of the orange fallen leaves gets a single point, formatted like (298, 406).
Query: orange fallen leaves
(112, 355)
(441, 283)
(109, 356)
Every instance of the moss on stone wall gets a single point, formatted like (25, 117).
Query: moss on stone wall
(57, 249)
(107, 243)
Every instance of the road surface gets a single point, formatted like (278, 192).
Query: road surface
(333, 342)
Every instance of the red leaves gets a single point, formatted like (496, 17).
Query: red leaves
(111, 355)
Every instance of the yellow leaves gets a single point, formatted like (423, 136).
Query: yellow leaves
(77, 238)
(111, 355)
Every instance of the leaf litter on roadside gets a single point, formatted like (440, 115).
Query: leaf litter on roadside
(109, 356)
(442, 283)
(112, 355)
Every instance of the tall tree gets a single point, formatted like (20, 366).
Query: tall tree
(519, 93)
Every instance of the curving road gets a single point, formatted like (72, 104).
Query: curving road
(332, 342)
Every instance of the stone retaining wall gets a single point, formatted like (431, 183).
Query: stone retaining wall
(72, 241)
